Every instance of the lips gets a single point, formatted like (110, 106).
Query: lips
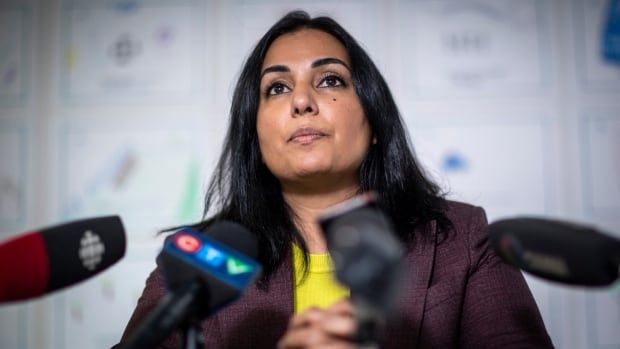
(306, 135)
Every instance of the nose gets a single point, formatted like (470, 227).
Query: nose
(303, 103)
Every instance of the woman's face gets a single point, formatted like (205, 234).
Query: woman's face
(310, 122)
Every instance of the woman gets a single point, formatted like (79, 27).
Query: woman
(312, 124)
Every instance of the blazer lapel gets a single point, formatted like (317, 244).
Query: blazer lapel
(404, 325)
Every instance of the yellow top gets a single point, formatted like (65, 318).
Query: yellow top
(319, 288)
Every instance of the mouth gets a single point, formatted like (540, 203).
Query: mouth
(306, 135)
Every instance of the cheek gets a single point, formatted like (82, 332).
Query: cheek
(263, 130)
(266, 127)
(270, 135)
(354, 134)
(350, 120)
(271, 117)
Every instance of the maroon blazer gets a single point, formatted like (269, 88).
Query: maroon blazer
(459, 294)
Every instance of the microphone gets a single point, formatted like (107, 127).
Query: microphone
(564, 252)
(204, 272)
(368, 259)
(40, 262)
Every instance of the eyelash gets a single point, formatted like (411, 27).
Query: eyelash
(274, 85)
(335, 76)
(340, 80)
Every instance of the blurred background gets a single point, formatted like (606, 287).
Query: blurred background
(121, 107)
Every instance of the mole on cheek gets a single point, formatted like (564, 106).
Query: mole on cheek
(334, 99)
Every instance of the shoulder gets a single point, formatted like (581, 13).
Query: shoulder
(465, 242)
(466, 221)
(457, 249)
(461, 213)
(460, 224)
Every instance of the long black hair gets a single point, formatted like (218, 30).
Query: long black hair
(244, 190)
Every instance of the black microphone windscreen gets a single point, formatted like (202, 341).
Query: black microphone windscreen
(560, 251)
(235, 236)
(80, 249)
(367, 254)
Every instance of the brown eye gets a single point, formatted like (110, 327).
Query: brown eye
(276, 89)
(331, 81)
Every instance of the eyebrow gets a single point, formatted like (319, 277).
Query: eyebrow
(328, 60)
(319, 62)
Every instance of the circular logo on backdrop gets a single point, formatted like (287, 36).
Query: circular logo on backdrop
(91, 250)
(187, 243)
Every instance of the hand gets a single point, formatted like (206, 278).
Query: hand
(332, 328)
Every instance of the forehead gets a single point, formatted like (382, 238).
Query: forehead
(305, 45)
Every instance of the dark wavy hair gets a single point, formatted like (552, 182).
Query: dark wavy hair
(243, 189)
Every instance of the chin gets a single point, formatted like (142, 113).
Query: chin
(310, 163)
(311, 172)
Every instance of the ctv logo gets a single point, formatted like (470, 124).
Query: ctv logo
(214, 257)
(219, 259)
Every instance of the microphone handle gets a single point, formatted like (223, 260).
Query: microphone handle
(178, 308)
(366, 334)
(370, 321)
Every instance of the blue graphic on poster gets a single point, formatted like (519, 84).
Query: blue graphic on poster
(454, 162)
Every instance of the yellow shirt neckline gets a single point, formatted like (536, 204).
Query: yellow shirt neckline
(319, 262)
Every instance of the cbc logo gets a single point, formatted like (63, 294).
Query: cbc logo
(91, 250)
(187, 243)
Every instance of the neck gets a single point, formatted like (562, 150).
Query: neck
(309, 204)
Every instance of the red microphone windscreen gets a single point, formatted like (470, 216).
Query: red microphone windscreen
(24, 268)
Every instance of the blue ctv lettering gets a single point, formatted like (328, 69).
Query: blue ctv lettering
(212, 256)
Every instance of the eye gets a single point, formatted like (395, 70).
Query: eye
(331, 81)
(277, 89)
